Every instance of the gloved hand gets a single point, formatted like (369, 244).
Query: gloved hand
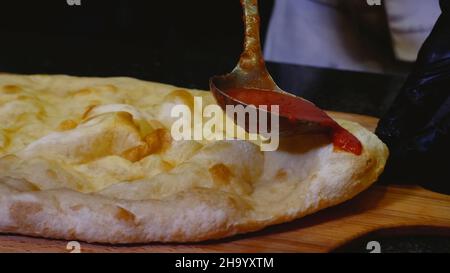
(417, 126)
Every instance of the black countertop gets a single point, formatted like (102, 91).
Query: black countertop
(337, 90)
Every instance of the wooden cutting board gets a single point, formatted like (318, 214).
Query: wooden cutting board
(377, 208)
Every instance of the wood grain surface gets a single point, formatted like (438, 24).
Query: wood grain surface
(377, 208)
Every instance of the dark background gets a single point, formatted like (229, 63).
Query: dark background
(177, 42)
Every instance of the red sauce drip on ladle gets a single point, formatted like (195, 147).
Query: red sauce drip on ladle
(295, 108)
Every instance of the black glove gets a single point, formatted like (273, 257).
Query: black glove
(417, 126)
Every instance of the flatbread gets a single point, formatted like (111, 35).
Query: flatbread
(93, 159)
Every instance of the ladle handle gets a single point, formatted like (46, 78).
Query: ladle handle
(251, 64)
(252, 54)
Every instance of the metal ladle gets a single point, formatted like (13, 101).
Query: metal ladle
(251, 73)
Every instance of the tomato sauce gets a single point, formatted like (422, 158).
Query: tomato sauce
(295, 108)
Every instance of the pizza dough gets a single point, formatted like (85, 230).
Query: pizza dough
(93, 159)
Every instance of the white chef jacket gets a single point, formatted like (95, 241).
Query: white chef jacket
(320, 33)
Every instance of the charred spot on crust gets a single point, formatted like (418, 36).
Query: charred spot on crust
(281, 175)
(183, 95)
(11, 89)
(125, 215)
(67, 125)
(136, 153)
(221, 174)
(158, 141)
(155, 143)
(88, 110)
(22, 212)
(76, 207)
